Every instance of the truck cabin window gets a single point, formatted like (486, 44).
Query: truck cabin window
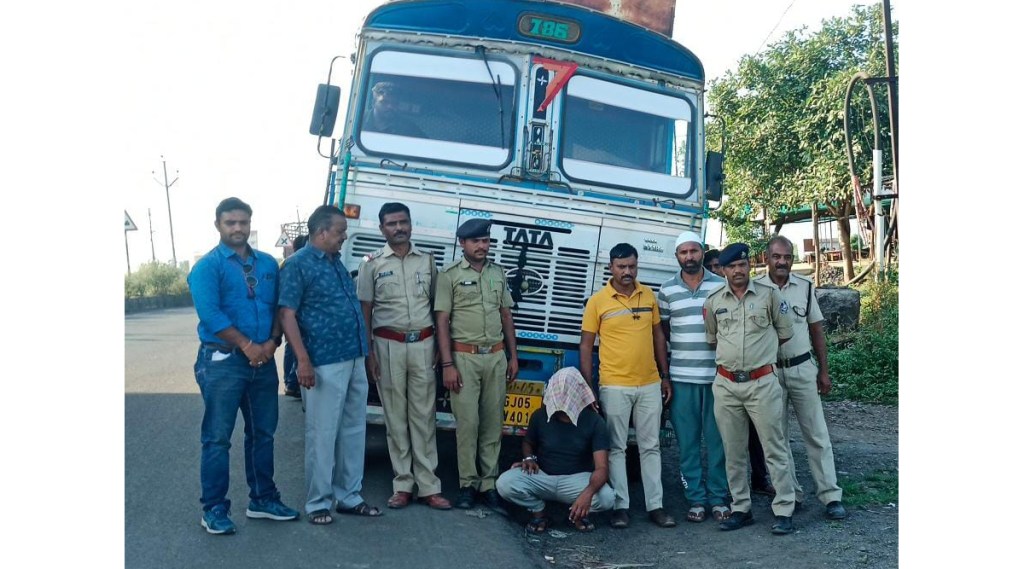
(626, 136)
(438, 108)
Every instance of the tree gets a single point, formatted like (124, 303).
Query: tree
(784, 110)
(157, 279)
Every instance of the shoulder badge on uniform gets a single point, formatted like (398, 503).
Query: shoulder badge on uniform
(371, 256)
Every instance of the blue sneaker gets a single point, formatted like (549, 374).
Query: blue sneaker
(216, 521)
(271, 509)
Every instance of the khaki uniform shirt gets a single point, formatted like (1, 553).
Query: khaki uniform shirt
(746, 330)
(400, 288)
(795, 295)
(473, 299)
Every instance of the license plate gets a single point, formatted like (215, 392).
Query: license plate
(522, 399)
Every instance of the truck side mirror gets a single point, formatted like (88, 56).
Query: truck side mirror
(325, 112)
(713, 176)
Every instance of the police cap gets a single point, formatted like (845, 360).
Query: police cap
(734, 252)
(476, 227)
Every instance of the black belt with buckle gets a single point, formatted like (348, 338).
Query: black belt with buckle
(223, 348)
(795, 361)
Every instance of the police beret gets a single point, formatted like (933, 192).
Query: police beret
(734, 252)
(476, 227)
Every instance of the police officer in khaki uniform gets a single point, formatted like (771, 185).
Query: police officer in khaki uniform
(744, 322)
(395, 289)
(474, 324)
(803, 374)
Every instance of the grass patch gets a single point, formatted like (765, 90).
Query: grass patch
(864, 363)
(878, 487)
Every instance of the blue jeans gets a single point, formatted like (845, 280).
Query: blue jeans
(291, 369)
(229, 384)
(693, 414)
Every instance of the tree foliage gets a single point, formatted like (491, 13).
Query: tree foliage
(156, 279)
(784, 111)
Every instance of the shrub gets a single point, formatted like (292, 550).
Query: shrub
(156, 279)
(865, 364)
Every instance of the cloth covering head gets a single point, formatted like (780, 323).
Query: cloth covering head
(474, 228)
(568, 392)
(688, 237)
(734, 252)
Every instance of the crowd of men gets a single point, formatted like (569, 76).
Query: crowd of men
(723, 354)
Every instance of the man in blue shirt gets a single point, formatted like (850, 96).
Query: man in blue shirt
(234, 290)
(324, 324)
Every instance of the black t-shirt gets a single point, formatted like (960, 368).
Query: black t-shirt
(564, 448)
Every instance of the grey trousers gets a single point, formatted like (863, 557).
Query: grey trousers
(532, 490)
(336, 435)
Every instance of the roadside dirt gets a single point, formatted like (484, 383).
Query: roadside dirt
(865, 439)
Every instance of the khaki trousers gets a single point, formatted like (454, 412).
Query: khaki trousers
(762, 402)
(800, 384)
(408, 393)
(644, 404)
(479, 410)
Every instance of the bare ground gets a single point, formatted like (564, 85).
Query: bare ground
(865, 440)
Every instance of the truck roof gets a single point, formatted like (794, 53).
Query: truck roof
(600, 34)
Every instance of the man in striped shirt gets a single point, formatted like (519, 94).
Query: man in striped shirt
(692, 371)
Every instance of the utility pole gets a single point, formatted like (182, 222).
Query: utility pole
(152, 249)
(167, 190)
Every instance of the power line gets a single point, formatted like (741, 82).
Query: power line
(784, 12)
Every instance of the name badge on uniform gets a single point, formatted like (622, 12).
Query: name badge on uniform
(721, 311)
(467, 283)
(385, 274)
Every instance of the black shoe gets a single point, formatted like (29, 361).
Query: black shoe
(736, 521)
(466, 497)
(835, 511)
(491, 499)
(293, 393)
(620, 519)
(783, 525)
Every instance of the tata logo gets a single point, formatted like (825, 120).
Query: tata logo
(531, 283)
(521, 236)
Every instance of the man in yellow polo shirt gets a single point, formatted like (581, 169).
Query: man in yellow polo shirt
(634, 378)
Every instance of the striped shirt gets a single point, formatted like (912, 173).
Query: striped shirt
(693, 359)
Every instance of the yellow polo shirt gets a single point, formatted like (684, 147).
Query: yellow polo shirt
(625, 326)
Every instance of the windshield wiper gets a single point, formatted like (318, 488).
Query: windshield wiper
(497, 92)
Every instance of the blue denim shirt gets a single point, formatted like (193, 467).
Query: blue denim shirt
(323, 295)
(221, 295)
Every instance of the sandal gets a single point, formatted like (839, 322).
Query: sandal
(697, 513)
(362, 509)
(584, 525)
(720, 513)
(537, 525)
(320, 517)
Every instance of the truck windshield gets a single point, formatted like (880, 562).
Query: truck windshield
(626, 136)
(452, 102)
